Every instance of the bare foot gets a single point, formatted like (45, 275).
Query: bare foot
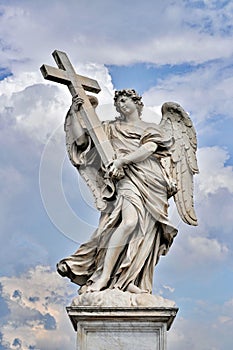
(98, 285)
(62, 268)
(134, 289)
(82, 289)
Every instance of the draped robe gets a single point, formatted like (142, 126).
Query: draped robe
(145, 186)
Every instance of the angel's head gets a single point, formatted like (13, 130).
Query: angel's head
(127, 96)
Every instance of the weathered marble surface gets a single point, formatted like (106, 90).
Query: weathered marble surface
(125, 328)
(121, 336)
(117, 298)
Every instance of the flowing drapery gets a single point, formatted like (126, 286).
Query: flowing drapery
(145, 186)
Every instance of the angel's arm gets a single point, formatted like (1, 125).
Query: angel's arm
(143, 152)
(77, 131)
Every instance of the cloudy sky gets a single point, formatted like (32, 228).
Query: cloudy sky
(169, 50)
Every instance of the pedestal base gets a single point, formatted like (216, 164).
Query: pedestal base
(110, 328)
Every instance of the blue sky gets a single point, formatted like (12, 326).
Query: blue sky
(169, 51)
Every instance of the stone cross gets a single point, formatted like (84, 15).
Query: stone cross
(78, 84)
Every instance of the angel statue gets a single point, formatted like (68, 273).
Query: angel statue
(152, 163)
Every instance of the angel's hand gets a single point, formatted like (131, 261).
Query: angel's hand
(77, 102)
(115, 168)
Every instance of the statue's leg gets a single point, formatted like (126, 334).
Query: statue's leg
(116, 244)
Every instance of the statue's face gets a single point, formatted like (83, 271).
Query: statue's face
(126, 105)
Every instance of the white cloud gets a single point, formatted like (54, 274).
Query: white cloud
(36, 301)
(196, 253)
(29, 106)
(170, 289)
(214, 175)
(191, 334)
(37, 107)
(18, 82)
(213, 195)
(206, 249)
(210, 323)
(157, 32)
(205, 92)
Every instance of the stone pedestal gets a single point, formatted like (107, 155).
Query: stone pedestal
(121, 328)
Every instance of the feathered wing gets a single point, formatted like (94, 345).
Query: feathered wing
(88, 164)
(183, 161)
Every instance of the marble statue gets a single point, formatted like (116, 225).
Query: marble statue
(132, 168)
(132, 194)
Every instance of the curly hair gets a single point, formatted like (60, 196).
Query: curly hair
(131, 93)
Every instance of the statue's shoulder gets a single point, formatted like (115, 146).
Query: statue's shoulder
(148, 125)
(110, 124)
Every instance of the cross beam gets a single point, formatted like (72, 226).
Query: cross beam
(77, 85)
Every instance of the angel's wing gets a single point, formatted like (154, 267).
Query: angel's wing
(183, 162)
(88, 164)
